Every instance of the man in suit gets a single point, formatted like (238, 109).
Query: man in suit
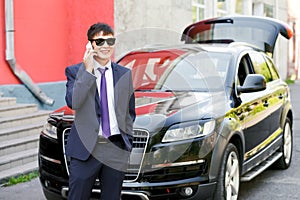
(100, 139)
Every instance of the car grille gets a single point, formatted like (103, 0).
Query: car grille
(140, 141)
(175, 173)
(51, 168)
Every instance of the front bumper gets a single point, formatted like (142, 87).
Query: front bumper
(52, 186)
(200, 192)
(197, 188)
(184, 179)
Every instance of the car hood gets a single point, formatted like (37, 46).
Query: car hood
(156, 110)
(259, 31)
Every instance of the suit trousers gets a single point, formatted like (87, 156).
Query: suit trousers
(108, 162)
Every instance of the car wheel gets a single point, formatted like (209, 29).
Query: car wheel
(229, 176)
(286, 148)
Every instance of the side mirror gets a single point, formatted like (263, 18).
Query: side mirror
(253, 83)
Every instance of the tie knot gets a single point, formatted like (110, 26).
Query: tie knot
(102, 71)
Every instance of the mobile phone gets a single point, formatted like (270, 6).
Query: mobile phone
(89, 46)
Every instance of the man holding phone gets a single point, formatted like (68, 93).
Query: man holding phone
(101, 93)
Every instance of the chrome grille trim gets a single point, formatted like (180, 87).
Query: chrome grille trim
(64, 142)
(50, 159)
(139, 146)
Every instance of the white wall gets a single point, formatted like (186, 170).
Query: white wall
(143, 22)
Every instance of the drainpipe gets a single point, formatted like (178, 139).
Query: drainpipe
(10, 57)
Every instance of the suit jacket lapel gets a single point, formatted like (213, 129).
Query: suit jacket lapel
(116, 77)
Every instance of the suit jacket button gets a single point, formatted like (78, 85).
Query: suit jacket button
(97, 130)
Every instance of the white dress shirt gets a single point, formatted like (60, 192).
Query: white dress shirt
(114, 128)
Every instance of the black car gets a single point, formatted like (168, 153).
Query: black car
(211, 113)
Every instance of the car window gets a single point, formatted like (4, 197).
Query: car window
(148, 67)
(197, 71)
(238, 32)
(260, 66)
(261, 32)
(272, 68)
(243, 70)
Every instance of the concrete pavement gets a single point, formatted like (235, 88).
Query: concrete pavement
(31, 190)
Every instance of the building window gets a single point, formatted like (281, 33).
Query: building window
(268, 10)
(198, 7)
(221, 8)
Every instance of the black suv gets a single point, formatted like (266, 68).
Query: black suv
(211, 113)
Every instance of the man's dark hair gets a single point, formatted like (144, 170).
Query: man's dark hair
(97, 28)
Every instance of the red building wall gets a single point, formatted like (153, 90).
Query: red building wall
(50, 35)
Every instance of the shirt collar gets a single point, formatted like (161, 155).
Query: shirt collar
(97, 65)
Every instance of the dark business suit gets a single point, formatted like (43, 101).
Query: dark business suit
(82, 96)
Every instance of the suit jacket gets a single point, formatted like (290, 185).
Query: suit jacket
(82, 96)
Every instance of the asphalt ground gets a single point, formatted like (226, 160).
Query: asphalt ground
(270, 185)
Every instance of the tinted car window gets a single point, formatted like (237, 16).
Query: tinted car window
(243, 70)
(178, 71)
(234, 33)
(260, 66)
(200, 72)
(272, 68)
(228, 30)
(148, 68)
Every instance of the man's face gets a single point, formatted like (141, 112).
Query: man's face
(104, 49)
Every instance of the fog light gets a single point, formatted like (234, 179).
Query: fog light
(186, 191)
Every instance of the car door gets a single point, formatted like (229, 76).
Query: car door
(262, 110)
(252, 111)
(275, 93)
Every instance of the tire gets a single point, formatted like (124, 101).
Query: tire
(287, 147)
(229, 176)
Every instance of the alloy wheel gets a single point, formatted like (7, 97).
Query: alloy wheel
(287, 146)
(232, 179)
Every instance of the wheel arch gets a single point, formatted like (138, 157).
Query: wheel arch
(235, 137)
(286, 113)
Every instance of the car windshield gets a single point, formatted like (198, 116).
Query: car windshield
(176, 70)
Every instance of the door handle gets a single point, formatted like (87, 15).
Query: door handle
(266, 104)
(280, 96)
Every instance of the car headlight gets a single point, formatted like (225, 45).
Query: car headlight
(177, 133)
(50, 130)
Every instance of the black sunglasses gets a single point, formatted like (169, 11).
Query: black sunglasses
(101, 41)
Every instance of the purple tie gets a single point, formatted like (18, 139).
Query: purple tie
(104, 105)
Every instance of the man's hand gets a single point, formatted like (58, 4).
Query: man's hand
(88, 58)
